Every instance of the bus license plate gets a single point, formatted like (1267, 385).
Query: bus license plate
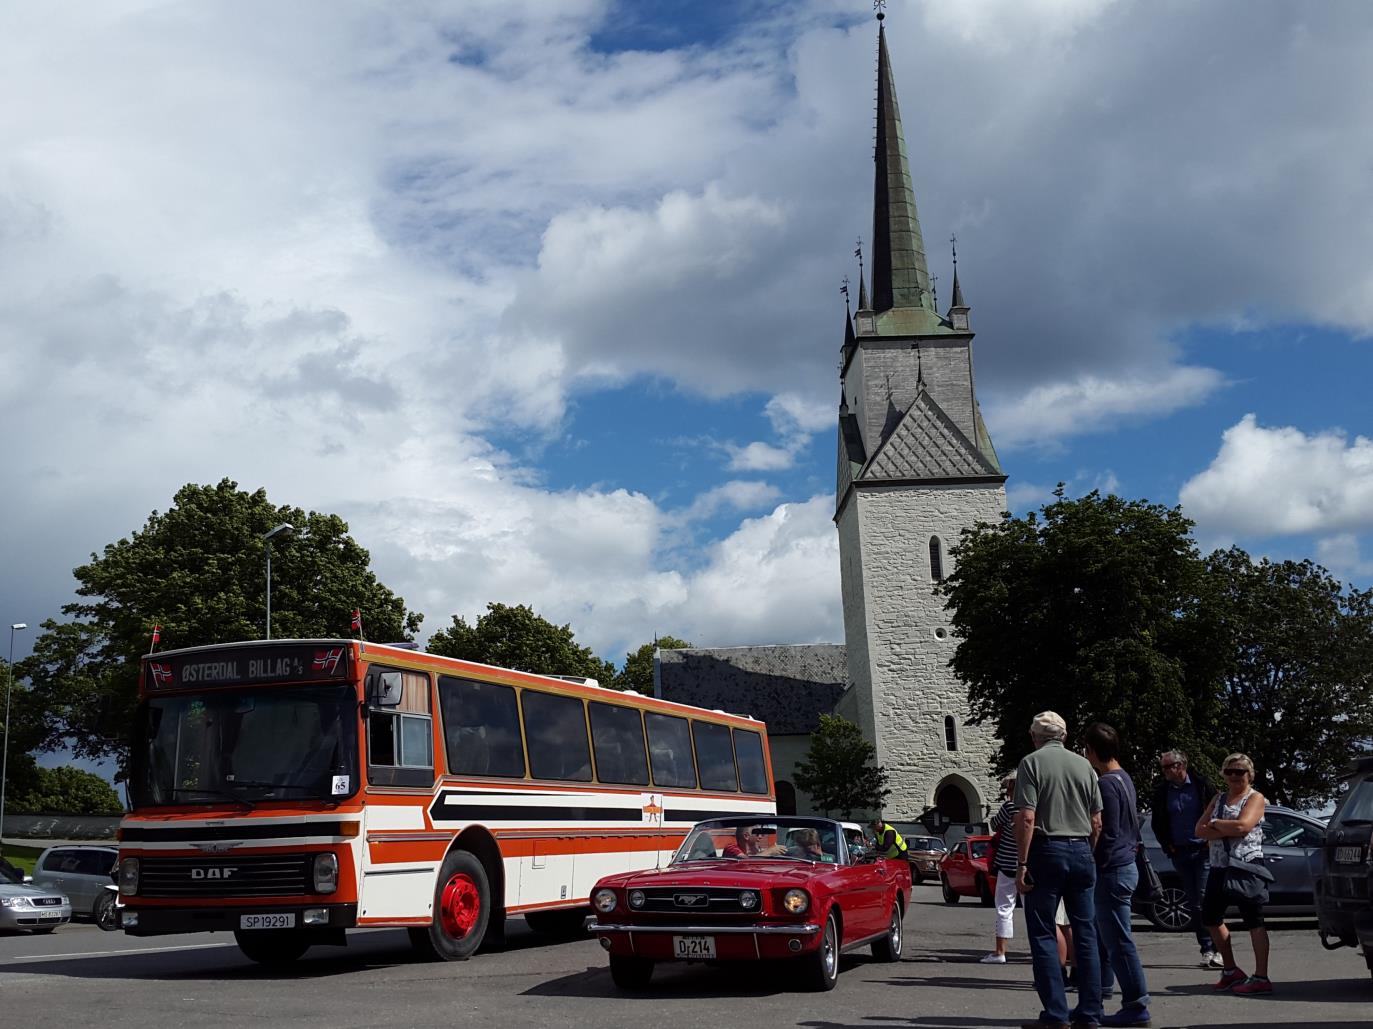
(693, 947)
(287, 921)
(1348, 855)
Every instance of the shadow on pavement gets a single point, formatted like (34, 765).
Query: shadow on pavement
(672, 981)
(1320, 991)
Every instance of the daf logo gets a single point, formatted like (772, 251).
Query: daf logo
(689, 900)
(212, 873)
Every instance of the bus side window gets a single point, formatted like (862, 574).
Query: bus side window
(481, 728)
(669, 749)
(555, 728)
(715, 757)
(748, 751)
(617, 734)
(400, 739)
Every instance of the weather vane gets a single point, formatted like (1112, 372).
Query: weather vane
(858, 253)
(880, 6)
(934, 290)
(844, 288)
(953, 242)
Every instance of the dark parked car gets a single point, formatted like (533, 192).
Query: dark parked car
(1344, 889)
(1293, 844)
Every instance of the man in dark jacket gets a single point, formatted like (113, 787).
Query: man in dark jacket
(1179, 799)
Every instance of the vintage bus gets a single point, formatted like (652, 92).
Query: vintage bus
(289, 790)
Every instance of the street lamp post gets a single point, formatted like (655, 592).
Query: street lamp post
(5, 761)
(284, 529)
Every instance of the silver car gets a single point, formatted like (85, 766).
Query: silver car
(82, 872)
(30, 908)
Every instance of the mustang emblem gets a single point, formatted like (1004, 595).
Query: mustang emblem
(690, 900)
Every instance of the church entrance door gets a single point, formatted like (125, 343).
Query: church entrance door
(952, 803)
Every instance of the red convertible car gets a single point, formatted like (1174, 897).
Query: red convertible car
(745, 889)
(964, 873)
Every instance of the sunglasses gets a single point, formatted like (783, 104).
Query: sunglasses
(1235, 771)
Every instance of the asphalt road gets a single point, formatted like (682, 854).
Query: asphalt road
(79, 975)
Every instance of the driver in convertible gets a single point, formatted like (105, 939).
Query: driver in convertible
(748, 843)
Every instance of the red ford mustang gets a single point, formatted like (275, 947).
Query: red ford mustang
(749, 888)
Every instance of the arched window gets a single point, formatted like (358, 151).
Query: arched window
(936, 560)
(950, 733)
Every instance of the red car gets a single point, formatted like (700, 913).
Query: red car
(964, 872)
(747, 888)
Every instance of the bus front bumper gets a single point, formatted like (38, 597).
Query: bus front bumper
(164, 921)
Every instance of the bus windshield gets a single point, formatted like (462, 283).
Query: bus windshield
(246, 745)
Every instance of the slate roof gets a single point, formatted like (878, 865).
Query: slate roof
(788, 687)
(926, 444)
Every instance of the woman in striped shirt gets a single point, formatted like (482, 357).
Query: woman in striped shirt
(1004, 866)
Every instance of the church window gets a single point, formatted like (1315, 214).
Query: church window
(936, 560)
(950, 733)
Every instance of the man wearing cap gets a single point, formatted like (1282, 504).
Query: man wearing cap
(1056, 827)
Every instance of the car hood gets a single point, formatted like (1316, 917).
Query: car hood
(15, 890)
(727, 873)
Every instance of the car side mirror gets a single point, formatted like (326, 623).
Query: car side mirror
(387, 690)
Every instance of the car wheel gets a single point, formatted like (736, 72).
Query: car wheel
(1168, 911)
(822, 967)
(984, 892)
(888, 948)
(271, 946)
(949, 896)
(106, 912)
(630, 973)
(462, 907)
(561, 925)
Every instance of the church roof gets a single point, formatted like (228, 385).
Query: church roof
(787, 687)
(926, 444)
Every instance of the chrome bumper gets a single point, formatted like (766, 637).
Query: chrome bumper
(808, 929)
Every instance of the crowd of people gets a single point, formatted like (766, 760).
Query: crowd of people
(1069, 850)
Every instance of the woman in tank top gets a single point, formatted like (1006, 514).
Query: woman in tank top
(1232, 826)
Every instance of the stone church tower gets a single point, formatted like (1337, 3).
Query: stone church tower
(916, 466)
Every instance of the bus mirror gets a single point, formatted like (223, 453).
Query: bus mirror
(387, 691)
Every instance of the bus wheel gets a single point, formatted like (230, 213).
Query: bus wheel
(271, 946)
(561, 925)
(462, 907)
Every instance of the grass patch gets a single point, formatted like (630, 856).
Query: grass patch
(22, 857)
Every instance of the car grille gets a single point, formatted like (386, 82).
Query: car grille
(47, 902)
(264, 875)
(706, 899)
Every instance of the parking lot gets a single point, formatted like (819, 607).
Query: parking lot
(81, 976)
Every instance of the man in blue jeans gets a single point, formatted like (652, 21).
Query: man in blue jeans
(1117, 877)
(1178, 801)
(1055, 829)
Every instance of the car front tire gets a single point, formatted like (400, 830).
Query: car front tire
(106, 912)
(822, 967)
(950, 897)
(888, 948)
(1169, 910)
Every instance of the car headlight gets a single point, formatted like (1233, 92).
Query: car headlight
(604, 901)
(636, 899)
(748, 900)
(326, 873)
(128, 876)
(14, 902)
(795, 901)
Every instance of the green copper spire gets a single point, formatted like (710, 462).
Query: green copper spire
(900, 278)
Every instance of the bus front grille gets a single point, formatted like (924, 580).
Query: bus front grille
(262, 875)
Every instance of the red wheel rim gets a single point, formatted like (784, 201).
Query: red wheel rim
(460, 906)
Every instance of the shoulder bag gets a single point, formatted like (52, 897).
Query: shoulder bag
(1245, 881)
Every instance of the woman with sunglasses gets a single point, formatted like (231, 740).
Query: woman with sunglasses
(1232, 826)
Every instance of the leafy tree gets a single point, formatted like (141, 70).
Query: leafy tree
(1296, 680)
(516, 637)
(197, 570)
(1092, 609)
(637, 673)
(68, 791)
(838, 770)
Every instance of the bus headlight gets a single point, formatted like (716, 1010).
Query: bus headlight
(604, 901)
(326, 873)
(128, 877)
(795, 901)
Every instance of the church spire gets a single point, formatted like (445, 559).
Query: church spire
(900, 277)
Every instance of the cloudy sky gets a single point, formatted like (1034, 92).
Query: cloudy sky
(543, 298)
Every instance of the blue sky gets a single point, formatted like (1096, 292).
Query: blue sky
(544, 299)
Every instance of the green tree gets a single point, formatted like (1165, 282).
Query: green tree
(1297, 674)
(198, 571)
(1090, 608)
(68, 791)
(637, 673)
(838, 770)
(516, 637)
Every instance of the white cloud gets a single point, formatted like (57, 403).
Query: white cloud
(735, 495)
(759, 457)
(1343, 555)
(1282, 481)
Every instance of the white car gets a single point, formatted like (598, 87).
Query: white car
(81, 872)
(31, 908)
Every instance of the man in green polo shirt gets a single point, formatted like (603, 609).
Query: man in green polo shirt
(1056, 827)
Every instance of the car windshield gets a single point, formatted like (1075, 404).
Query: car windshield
(1358, 806)
(978, 847)
(928, 843)
(10, 875)
(245, 746)
(800, 839)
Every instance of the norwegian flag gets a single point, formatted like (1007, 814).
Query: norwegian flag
(157, 637)
(327, 660)
(357, 620)
(162, 674)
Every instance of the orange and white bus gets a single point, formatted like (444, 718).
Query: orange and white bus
(289, 790)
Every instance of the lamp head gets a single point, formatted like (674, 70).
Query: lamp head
(18, 625)
(284, 529)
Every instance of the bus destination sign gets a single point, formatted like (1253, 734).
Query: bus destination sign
(247, 666)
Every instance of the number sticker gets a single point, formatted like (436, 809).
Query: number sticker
(340, 785)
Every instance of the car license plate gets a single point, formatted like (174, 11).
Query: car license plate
(50, 918)
(693, 946)
(1348, 855)
(286, 921)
